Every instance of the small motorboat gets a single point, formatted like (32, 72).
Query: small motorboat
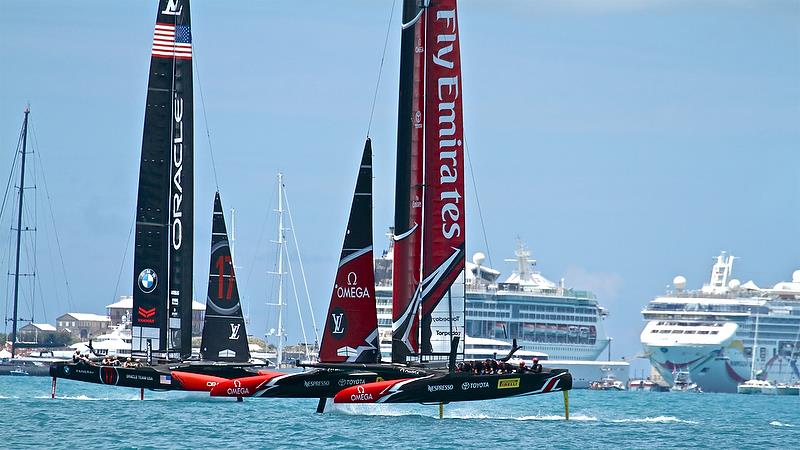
(683, 383)
(607, 383)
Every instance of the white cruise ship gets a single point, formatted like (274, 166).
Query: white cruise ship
(562, 325)
(711, 332)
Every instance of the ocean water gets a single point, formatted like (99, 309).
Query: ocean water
(95, 416)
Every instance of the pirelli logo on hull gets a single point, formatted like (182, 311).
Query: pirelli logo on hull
(508, 383)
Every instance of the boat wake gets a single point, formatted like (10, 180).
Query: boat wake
(776, 423)
(658, 419)
(74, 397)
(399, 411)
(370, 410)
(576, 418)
(467, 414)
(83, 397)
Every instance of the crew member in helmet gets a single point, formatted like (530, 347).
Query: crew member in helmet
(536, 367)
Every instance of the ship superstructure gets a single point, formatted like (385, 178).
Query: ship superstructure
(710, 332)
(544, 317)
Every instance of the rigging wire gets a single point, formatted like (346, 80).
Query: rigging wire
(302, 269)
(38, 159)
(246, 280)
(205, 117)
(10, 233)
(380, 68)
(478, 203)
(11, 174)
(297, 299)
(124, 258)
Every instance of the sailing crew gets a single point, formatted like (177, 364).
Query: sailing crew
(536, 367)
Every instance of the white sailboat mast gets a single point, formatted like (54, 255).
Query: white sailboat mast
(755, 347)
(279, 356)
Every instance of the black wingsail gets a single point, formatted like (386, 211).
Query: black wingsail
(162, 277)
(224, 335)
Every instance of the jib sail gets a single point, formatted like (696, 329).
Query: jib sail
(408, 185)
(224, 334)
(162, 277)
(351, 325)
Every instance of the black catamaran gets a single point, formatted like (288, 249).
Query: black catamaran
(162, 276)
(349, 353)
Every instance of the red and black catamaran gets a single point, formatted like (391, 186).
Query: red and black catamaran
(163, 254)
(429, 304)
(429, 250)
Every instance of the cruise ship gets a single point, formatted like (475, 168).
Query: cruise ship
(726, 332)
(564, 326)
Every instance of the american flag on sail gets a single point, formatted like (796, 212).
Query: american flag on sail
(172, 41)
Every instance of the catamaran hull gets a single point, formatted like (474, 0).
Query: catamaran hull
(457, 387)
(184, 377)
(317, 383)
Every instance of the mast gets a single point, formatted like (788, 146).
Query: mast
(281, 241)
(406, 263)
(755, 344)
(19, 230)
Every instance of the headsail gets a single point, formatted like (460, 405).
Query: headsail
(408, 187)
(443, 235)
(224, 334)
(162, 277)
(351, 325)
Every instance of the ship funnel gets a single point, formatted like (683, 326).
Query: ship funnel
(679, 282)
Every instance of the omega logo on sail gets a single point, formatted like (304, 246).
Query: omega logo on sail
(177, 162)
(447, 90)
(351, 290)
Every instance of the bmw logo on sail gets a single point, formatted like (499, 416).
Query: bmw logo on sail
(148, 280)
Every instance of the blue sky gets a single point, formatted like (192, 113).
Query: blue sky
(626, 142)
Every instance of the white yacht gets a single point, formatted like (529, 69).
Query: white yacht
(711, 332)
(115, 343)
(562, 325)
(682, 382)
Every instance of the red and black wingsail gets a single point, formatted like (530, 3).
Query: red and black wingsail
(163, 258)
(443, 241)
(224, 334)
(351, 325)
(409, 185)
